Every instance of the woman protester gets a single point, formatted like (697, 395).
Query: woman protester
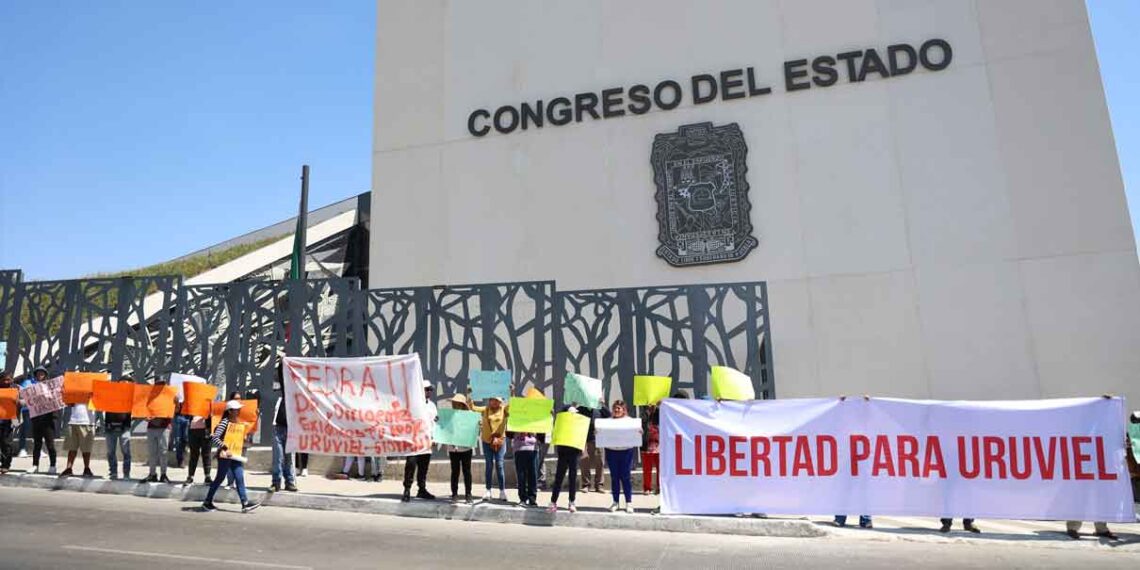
(567, 465)
(460, 458)
(228, 463)
(620, 463)
(494, 438)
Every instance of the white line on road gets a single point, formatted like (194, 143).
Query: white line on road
(182, 557)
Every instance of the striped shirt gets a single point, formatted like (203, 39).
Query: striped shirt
(218, 438)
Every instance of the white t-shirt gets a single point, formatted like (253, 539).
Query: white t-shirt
(80, 415)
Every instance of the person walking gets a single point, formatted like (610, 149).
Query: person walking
(282, 462)
(493, 437)
(523, 445)
(228, 464)
(417, 465)
(7, 428)
(460, 458)
(43, 429)
(117, 436)
(592, 473)
(157, 434)
(567, 465)
(620, 462)
(650, 449)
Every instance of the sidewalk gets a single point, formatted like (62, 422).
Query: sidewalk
(355, 495)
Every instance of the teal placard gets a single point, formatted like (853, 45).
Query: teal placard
(488, 383)
(457, 427)
(581, 390)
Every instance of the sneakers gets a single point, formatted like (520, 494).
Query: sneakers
(114, 476)
(377, 477)
(970, 527)
(23, 453)
(945, 528)
(572, 508)
(407, 496)
(553, 508)
(149, 479)
(206, 480)
(487, 495)
(207, 507)
(305, 472)
(424, 494)
(532, 504)
(1073, 534)
(66, 473)
(1107, 535)
(51, 470)
(291, 487)
(503, 496)
(614, 508)
(467, 499)
(274, 487)
(189, 481)
(164, 479)
(249, 507)
(87, 474)
(629, 509)
(454, 498)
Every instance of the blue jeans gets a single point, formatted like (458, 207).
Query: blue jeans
(864, 520)
(228, 467)
(282, 460)
(179, 436)
(620, 462)
(119, 438)
(493, 458)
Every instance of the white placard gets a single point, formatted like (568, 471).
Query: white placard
(617, 433)
(177, 380)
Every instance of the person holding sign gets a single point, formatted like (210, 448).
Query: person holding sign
(229, 462)
(157, 438)
(523, 445)
(117, 423)
(569, 440)
(43, 427)
(619, 456)
(11, 413)
(592, 466)
(417, 465)
(460, 457)
(650, 449)
(493, 436)
(79, 438)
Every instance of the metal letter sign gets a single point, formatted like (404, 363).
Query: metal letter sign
(702, 195)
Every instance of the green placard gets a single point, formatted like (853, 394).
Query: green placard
(457, 427)
(570, 430)
(581, 391)
(530, 415)
(650, 389)
(1134, 437)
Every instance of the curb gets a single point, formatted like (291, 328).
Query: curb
(479, 512)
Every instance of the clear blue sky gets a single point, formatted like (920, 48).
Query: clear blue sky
(134, 132)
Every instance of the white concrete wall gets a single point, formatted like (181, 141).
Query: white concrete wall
(953, 234)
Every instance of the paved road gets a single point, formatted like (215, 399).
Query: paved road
(45, 529)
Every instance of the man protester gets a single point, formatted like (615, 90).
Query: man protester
(7, 427)
(417, 465)
(79, 437)
(43, 428)
(117, 434)
(282, 462)
(593, 476)
(157, 439)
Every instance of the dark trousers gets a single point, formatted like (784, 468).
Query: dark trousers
(567, 462)
(526, 476)
(301, 460)
(965, 522)
(199, 448)
(416, 465)
(460, 461)
(6, 444)
(621, 469)
(24, 429)
(43, 435)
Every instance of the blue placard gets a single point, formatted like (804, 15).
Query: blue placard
(488, 383)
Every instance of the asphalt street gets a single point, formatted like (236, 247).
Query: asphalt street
(48, 529)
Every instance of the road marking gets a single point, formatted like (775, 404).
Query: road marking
(182, 557)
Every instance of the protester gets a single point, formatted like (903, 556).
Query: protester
(523, 445)
(199, 443)
(179, 435)
(620, 462)
(540, 460)
(157, 434)
(567, 465)
(227, 463)
(282, 462)
(79, 437)
(23, 425)
(362, 463)
(7, 427)
(117, 434)
(43, 429)
(592, 475)
(967, 524)
(417, 465)
(493, 437)
(460, 458)
(650, 449)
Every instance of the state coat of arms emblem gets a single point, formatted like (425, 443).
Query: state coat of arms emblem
(703, 212)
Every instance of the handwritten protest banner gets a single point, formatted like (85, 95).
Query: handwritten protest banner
(113, 397)
(77, 387)
(357, 406)
(153, 401)
(581, 390)
(8, 399)
(235, 439)
(531, 415)
(457, 427)
(179, 380)
(197, 398)
(570, 429)
(730, 384)
(649, 390)
(1134, 437)
(44, 397)
(618, 433)
(490, 383)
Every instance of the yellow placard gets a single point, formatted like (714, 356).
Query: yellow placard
(530, 415)
(533, 394)
(570, 429)
(235, 438)
(730, 384)
(650, 389)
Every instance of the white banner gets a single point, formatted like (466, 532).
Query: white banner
(1038, 459)
(356, 406)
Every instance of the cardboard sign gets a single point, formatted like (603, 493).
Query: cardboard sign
(247, 414)
(581, 391)
(198, 398)
(77, 387)
(179, 380)
(570, 430)
(457, 427)
(153, 401)
(730, 384)
(650, 389)
(8, 399)
(530, 415)
(113, 397)
(235, 438)
(44, 397)
(490, 383)
(1134, 438)
(617, 433)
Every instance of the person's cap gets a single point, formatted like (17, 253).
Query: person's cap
(428, 386)
(499, 398)
(459, 399)
(39, 369)
(233, 405)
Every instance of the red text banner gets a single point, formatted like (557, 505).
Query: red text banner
(356, 406)
(1036, 459)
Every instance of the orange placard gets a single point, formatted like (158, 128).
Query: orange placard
(8, 397)
(113, 397)
(247, 415)
(77, 386)
(198, 398)
(153, 401)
